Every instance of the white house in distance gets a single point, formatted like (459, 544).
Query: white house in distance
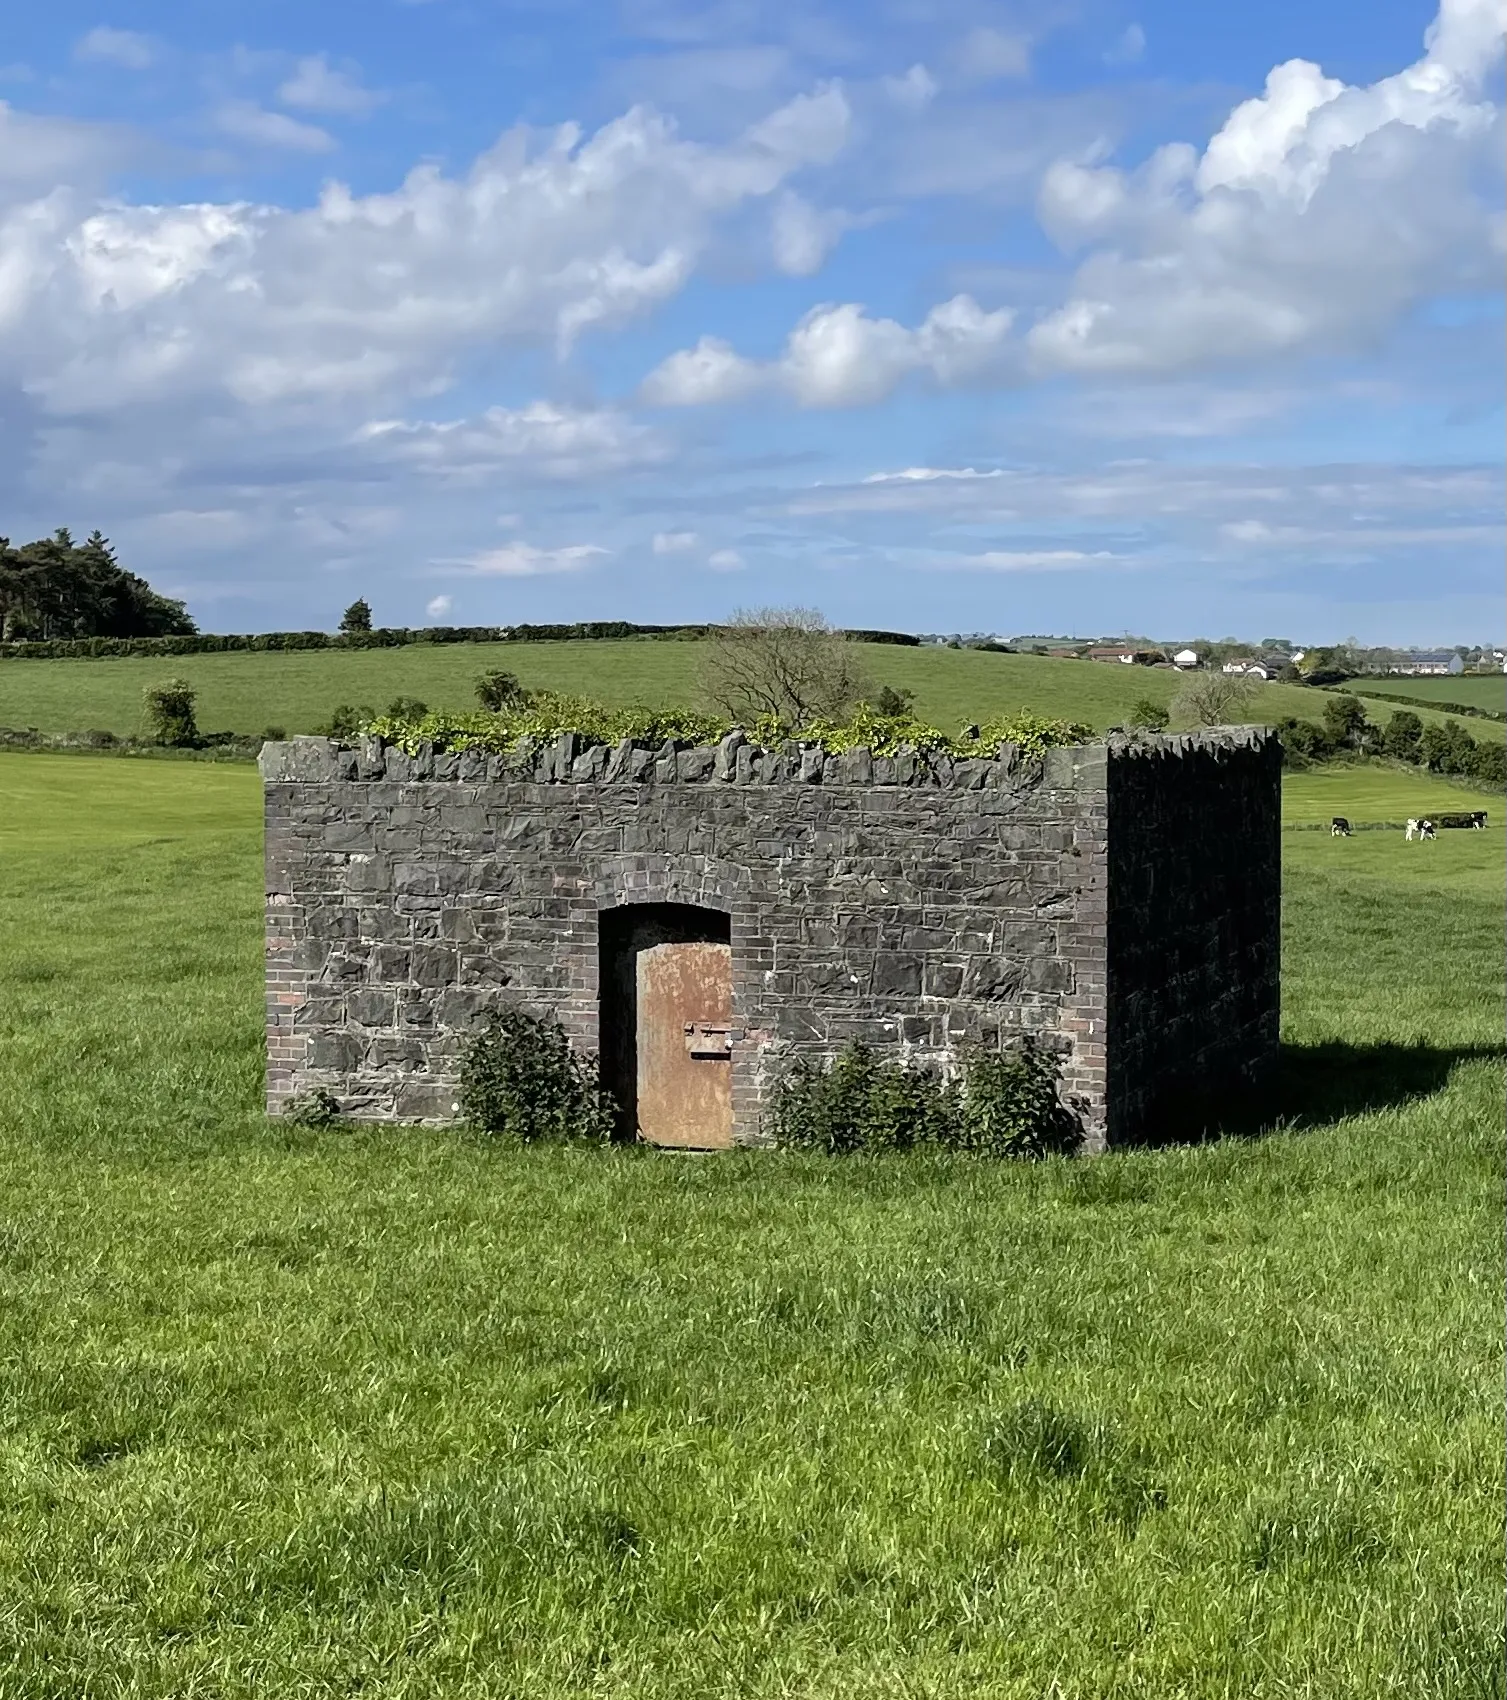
(1185, 658)
(1427, 663)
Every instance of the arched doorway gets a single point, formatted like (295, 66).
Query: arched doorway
(667, 1020)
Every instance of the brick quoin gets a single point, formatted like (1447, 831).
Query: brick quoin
(1119, 901)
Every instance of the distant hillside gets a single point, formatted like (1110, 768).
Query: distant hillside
(298, 692)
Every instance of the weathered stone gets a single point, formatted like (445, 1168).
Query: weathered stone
(725, 762)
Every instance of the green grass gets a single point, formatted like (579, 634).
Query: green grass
(1475, 690)
(1374, 791)
(301, 1413)
(247, 693)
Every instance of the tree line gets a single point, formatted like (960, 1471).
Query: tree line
(1439, 746)
(57, 590)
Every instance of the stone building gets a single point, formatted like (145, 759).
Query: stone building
(701, 916)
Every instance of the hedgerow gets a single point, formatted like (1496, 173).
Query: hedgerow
(546, 714)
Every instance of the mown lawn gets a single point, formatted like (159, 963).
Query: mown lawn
(299, 692)
(296, 1413)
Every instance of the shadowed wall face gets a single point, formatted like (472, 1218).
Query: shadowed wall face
(922, 907)
(1195, 865)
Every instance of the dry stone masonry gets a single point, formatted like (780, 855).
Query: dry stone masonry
(1119, 900)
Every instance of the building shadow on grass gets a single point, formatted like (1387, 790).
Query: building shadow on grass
(1318, 1084)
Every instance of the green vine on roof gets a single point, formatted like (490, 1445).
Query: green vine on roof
(545, 714)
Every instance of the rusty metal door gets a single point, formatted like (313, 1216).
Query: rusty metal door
(685, 1009)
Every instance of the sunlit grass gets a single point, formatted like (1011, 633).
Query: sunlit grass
(297, 1413)
(298, 692)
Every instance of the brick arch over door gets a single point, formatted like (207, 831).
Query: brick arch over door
(700, 882)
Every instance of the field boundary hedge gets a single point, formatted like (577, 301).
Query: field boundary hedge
(384, 637)
(217, 747)
(1438, 705)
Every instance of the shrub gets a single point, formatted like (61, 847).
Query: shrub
(498, 690)
(1434, 747)
(1149, 716)
(1459, 749)
(1345, 721)
(170, 713)
(1303, 742)
(274, 734)
(1490, 764)
(319, 1108)
(544, 714)
(406, 708)
(860, 1103)
(1001, 1105)
(889, 701)
(1400, 740)
(346, 722)
(521, 1081)
(1009, 1105)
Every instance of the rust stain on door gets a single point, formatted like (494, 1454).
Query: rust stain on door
(685, 1009)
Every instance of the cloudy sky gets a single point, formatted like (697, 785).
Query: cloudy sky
(1046, 315)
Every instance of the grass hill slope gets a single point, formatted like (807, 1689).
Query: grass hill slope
(247, 693)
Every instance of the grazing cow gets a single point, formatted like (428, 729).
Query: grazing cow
(1339, 827)
(1412, 831)
(1478, 821)
(1426, 829)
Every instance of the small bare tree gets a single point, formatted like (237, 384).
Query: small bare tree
(1214, 699)
(786, 663)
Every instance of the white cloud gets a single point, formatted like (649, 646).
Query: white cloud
(674, 542)
(248, 122)
(317, 86)
(109, 304)
(712, 371)
(802, 235)
(985, 54)
(37, 152)
(1316, 217)
(725, 561)
(126, 48)
(438, 607)
(838, 356)
(930, 474)
(557, 442)
(1028, 560)
(914, 91)
(524, 560)
(1129, 49)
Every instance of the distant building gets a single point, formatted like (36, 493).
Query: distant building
(1113, 652)
(1427, 663)
(1185, 658)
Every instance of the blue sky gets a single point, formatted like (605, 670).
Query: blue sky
(1078, 315)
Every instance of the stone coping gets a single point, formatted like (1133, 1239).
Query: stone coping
(569, 758)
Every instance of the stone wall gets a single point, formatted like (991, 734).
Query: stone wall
(920, 905)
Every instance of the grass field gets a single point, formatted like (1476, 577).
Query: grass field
(249, 692)
(1478, 690)
(1374, 792)
(290, 1413)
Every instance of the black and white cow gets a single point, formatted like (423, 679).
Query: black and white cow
(1339, 827)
